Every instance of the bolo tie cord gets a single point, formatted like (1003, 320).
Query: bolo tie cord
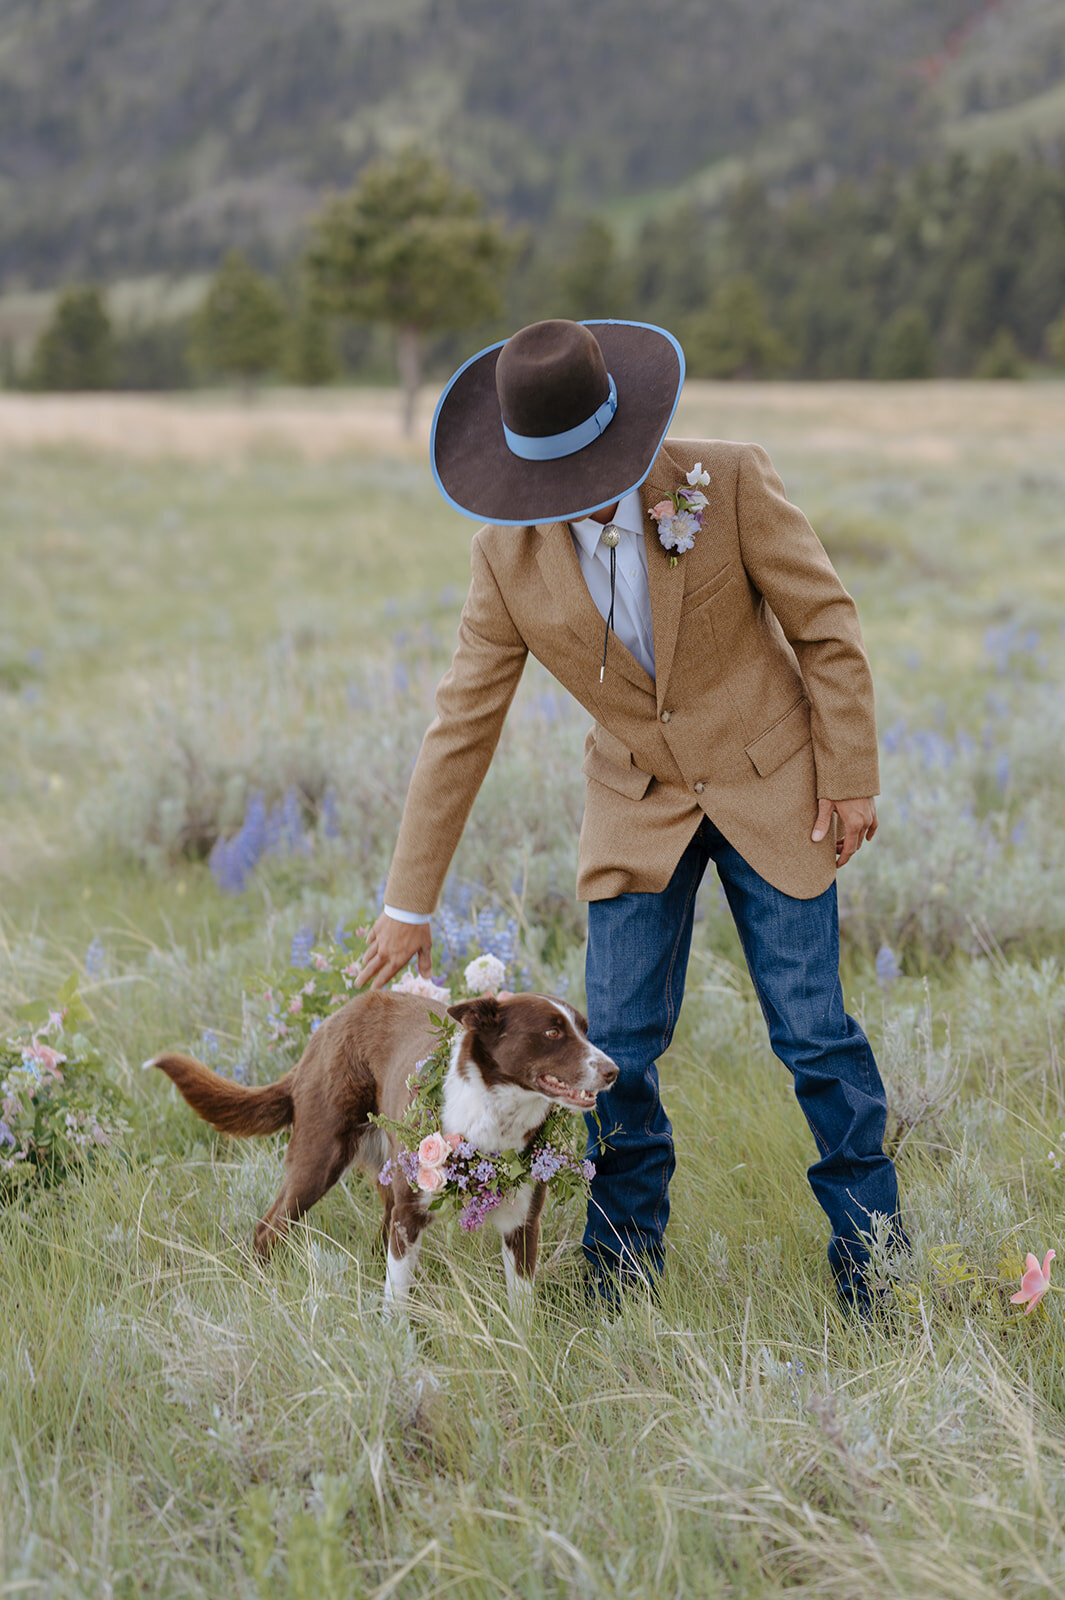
(610, 614)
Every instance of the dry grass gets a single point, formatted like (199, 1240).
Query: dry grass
(941, 423)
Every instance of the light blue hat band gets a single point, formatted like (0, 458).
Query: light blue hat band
(552, 446)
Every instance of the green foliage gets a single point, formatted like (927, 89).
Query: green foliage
(238, 331)
(733, 337)
(310, 356)
(1002, 358)
(905, 348)
(77, 350)
(1055, 339)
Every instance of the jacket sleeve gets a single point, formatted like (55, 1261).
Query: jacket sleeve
(471, 706)
(789, 565)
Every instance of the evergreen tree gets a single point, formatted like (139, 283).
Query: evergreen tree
(1055, 339)
(732, 338)
(905, 348)
(238, 331)
(409, 247)
(310, 351)
(1002, 358)
(76, 350)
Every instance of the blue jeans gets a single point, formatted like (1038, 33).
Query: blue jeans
(637, 957)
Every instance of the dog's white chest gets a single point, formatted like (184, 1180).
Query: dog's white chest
(500, 1118)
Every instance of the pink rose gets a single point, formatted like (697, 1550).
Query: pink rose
(454, 1140)
(664, 508)
(430, 1179)
(433, 1150)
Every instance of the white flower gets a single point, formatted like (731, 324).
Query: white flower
(697, 475)
(680, 534)
(484, 973)
(696, 501)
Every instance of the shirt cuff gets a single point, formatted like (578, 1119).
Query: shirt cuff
(405, 916)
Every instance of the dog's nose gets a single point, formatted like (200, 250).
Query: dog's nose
(607, 1072)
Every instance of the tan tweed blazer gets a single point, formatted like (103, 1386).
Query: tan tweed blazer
(762, 699)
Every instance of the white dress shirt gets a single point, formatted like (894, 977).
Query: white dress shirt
(632, 596)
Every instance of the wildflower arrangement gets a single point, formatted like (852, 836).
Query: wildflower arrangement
(680, 516)
(455, 1172)
(319, 982)
(56, 1111)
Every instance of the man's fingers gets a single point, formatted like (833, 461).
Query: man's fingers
(824, 817)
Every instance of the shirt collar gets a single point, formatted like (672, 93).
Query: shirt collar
(629, 516)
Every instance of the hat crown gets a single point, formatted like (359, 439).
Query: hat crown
(550, 377)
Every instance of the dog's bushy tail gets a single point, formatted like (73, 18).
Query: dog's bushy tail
(228, 1106)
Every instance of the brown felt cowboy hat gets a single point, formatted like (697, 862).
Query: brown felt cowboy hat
(559, 420)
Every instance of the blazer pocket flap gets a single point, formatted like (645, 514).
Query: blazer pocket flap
(620, 776)
(706, 591)
(787, 735)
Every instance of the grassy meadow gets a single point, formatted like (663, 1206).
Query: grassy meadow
(214, 612)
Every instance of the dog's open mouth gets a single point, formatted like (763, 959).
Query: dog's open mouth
(581, 1099)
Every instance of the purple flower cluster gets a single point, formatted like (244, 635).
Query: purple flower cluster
(546, 1162)
(474, 1212)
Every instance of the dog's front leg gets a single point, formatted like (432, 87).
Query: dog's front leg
(520, 1244)
(409, 1221)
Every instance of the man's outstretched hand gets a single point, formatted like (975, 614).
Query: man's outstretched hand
(391, 946)
(859, 822)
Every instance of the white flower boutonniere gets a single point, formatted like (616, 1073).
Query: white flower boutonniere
(681, 516)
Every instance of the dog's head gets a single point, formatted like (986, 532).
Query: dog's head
(536, 1043)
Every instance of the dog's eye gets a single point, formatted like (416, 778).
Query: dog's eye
(553, 1033)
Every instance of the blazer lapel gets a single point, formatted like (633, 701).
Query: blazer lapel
(666, 583)
(565, 581)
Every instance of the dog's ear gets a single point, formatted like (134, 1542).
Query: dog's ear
(484, 1016)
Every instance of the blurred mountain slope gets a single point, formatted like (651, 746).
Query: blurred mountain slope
(148, 137)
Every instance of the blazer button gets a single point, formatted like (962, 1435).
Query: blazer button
(666, 716)
(699, 787)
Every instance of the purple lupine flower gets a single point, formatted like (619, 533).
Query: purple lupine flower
(209, 1042)
(887, 965)
(94, 959)
(302, 940)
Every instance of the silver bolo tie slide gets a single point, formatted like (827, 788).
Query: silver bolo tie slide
(611, 538)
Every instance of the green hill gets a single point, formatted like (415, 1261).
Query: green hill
(148, 137)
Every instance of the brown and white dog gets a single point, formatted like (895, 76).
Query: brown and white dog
(514, 1058)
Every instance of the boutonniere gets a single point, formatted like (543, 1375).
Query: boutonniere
(681, 516)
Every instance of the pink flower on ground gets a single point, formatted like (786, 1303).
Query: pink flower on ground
(48, 1058)
(320, 961)
(1035, 1283)
(664, 508)
(433, 1150)
(295, 1005)
(431, 1179)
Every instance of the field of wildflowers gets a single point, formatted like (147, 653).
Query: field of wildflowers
(213, 679)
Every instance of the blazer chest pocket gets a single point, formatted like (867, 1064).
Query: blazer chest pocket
(782, 739)
(609, 762)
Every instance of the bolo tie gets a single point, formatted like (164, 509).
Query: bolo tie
(611, 538)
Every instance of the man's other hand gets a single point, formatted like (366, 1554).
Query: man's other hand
(391, 947)
(859, 823)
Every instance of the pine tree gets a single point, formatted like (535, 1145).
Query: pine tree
(409, 247)
(77, 349)
(238, 331)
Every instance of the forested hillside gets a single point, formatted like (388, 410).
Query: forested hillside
(134, 138)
